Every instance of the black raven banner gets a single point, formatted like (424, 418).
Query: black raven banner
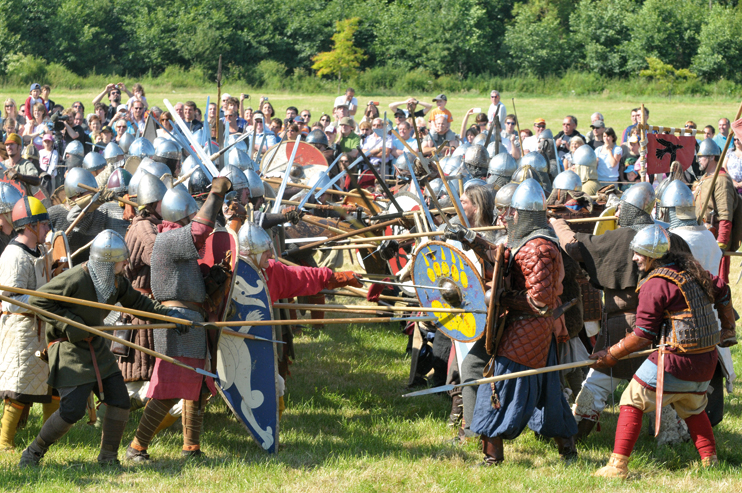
(663, 149)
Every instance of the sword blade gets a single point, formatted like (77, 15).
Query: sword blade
(659, 391)
(287, 173)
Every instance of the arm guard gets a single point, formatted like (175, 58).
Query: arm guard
(608, 358)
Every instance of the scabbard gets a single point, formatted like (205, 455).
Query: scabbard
(659, 390)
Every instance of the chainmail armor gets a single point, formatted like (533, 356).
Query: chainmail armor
(500, 181)
(104, 279)
(633, 217)
(476, 172)
(175, 271)
(676, 222)
(189, 345)
(530, 225)
(107, 216)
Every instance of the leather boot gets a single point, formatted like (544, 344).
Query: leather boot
(617, 467)
(711, 461)
(457, 410)
(493, 450)
(113, 430)
(584, 427)
(11, 416)
(54, 429)
(566, 447)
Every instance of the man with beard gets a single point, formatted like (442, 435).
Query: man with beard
(441, 132)
(534, 265)
(675, 310)
(19, 169)
(607, 260)
(114, 98)
(724, 200)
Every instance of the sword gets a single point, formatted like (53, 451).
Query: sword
(203, 159)
(287, 173)
(660, 389)
(334, 179)
(218, 99)
(420, 194)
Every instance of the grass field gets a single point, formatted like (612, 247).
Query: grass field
(675, 112)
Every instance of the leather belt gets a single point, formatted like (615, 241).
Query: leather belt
(22, 314)
(89, 340)
(188, 305)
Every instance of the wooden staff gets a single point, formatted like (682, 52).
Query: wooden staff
(104, 335)
(120, 199)
(353, 246)
(718, 168)
(667, 130)
(732, 254)
(341, 308)
(336, 192)
(352, 233)
(518, 374)
(172, 326)
(317, 222)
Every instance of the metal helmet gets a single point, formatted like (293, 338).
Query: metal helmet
(585, 156)
(109, 246)
(524, 173)
(476, 156)
(94, 161)
(640, 196)
(167, 149)
(9, 195)
(437, 187)
(30, 152)
(178, 204)
(74, 178)
(141, 147)
(479, 139)
(240, 145)
(158, 141)
(198, 182)
(536, 161)
(240, 159)
(154, 167)
(709, 148)
(253, 241)
(678, 195)
(317, 136)
(568, 180)
(504, 196)
(254, 184)
(187, 165)
(150, 189)
(651, 241)
(74, 153)
(449, 164)
(546, 134)
(405, 160)
(474, 182)
(28, 210)
(236, 176)
(125, 142)
(113, 153)
(502, 164)
(461, 150)
(119, 181)
(529, 196)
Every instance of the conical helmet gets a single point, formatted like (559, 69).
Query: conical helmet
(109, 246)
(651, 241)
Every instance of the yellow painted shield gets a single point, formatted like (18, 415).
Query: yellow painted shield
(603, 226)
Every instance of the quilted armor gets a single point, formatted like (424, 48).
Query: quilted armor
(535, 276)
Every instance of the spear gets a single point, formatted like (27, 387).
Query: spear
(218, 100)
(120, 199)
(518, 374)
(104, 335)
(355, 308)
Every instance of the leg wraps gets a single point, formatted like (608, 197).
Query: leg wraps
(193, 419)
(113, 430)
(11, 417)
(627, 430)
(50, 408)
(153, 415)
(700, 430)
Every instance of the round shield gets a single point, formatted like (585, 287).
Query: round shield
(132, 163)
(603, 226)
(454, 283)
(308, 162)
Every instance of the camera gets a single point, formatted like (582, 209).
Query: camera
(58, 120)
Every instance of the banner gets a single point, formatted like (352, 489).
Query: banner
(663, 149)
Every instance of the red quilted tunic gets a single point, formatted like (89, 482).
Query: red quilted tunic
(538, 270)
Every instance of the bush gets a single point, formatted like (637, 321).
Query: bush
(24, 69)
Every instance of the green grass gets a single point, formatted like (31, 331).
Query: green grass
(347, 428)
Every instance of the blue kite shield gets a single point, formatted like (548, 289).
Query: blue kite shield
(248, 369)
(440, 265)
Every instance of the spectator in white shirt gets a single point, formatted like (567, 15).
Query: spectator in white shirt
(348, 99)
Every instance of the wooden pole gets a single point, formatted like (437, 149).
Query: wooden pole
(120, 199)
(718, 168)
(104, 335)
(341, 308)
(352, 233)
(336, 192)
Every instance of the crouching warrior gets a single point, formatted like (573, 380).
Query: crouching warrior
(177, 282)
(536, 271)
(675, 311)
(78, 362)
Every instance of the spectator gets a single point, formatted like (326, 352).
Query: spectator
(180, 110)
(375, 143)
(340, 112)
(276, 126)
(510, 128)
(470, 134)
(597, 129)
(266, 108)
(46, 89)
(234, 105)
(137, 91)
(422, 126)
(94, 123)
(411, 102)
(325, 120)
(371, 113)
(364, 130)
(230, 122)
(97, 138)
(136, 118)
(399, 117)
(733, 165)
(247, 114)
(260, 131)
(530, 143)
(405, 131)
(102, 111)
(198, 116)
(306, 115)
(594, 118)
(33, 98)
(292, 112)
(708, 132)
(496, 108)
(636, 118)
(114, 98)
(80, 108)
(211, 114)
(440, 132)
(574, 144)
(609, 156)
(721, 137)
(11, 111)
(348, 140)
(48, 156)
(225, 98)
(629, 166)
(73, 130)
(332, 134)
(569, 130)
(155, 111)
(189, 117)
(106, 134)
(440, 100)
(524, 134)
(37, 126)
(121, 127)
(292, 131)
(10, 126)
(166, 121)
(348, 100)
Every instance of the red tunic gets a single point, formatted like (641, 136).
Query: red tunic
(286, 281)
(656, 296)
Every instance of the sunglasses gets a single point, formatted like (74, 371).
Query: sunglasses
(509, 123)
(540, 126)
(306, 115)
(115, 92)
(344, 161)
(10, 106)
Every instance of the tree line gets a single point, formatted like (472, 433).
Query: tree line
(462, 39)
